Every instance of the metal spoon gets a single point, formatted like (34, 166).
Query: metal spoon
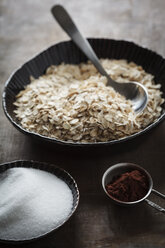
(121, 168)
(134, 91)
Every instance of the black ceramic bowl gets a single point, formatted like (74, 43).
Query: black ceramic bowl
(67, 52)
(60, 173)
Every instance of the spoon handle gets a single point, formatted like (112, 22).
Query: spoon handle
(154, 205)
(158, 193)
(65, 21)
(131, 90)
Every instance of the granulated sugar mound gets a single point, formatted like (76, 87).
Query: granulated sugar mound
(33, 202)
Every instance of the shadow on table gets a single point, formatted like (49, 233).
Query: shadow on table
(142, 150)
(131, 221)
(37, 147)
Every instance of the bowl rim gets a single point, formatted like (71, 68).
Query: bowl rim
(70, 143)
(42, 166)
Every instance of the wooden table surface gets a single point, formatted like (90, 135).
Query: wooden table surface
(27, 27)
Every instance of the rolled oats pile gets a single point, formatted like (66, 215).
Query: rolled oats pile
(73, 103)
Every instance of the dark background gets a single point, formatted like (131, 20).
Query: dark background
(27, 27)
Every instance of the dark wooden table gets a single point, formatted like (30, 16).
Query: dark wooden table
(27, 27)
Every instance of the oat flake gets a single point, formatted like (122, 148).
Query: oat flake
(73, 103)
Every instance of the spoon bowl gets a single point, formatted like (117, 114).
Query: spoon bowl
(119, 169)
(135, 92)
(132, 90)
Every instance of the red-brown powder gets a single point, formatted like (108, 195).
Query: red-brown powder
(128, 187)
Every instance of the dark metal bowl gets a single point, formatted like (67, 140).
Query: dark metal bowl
(67, 52)
(60, 173)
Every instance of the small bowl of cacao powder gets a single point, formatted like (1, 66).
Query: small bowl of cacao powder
(128, 184)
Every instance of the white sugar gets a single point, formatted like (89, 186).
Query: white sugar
(32, 202)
